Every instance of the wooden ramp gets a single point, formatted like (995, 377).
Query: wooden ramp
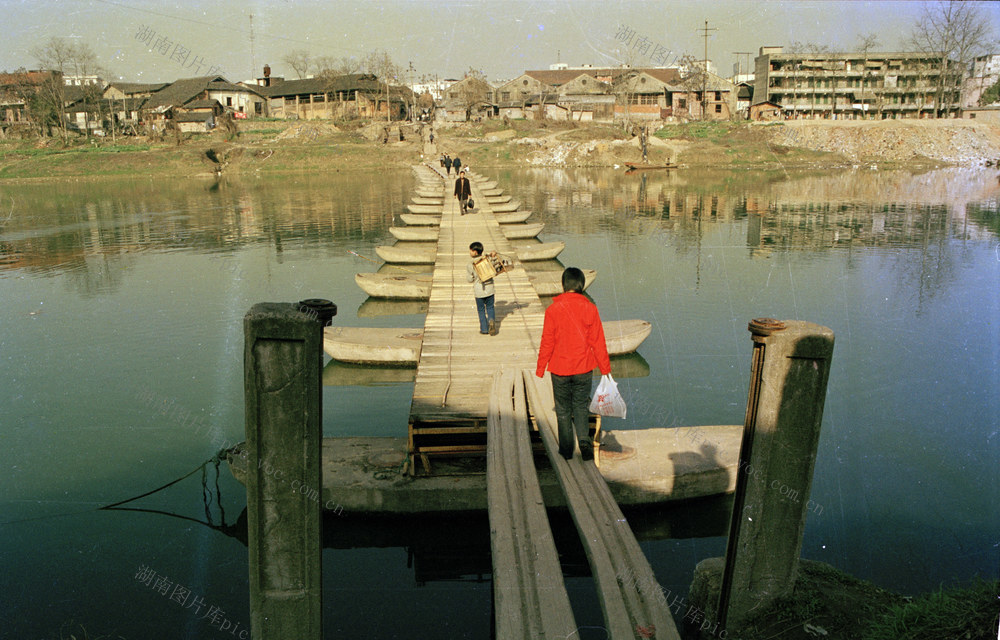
(529, 595)
(456, 365)
(632, 601)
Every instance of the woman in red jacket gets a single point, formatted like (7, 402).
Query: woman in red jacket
(572, 346)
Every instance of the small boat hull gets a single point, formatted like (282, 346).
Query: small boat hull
(405, 254)
(498, 199)
(427, 201)
(401, 347)
(418, 287)
(429, 220)
(425, 208)
(641, 467)
(506, 207)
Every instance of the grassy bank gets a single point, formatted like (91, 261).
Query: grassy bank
(280, 146)
(832, 604)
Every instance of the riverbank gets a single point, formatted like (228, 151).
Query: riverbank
(280, 146)
(828, 603)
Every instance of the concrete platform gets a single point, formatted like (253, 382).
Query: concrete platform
(646, 466)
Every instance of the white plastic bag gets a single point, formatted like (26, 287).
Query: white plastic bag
(607, 401)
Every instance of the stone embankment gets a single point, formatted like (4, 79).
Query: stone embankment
(948, 141)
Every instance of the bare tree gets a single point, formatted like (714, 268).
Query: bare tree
(56, 55)
(380, 64)
(953, 33)
(300, 62)
(866, 44)
(694, 80)
(475, 91)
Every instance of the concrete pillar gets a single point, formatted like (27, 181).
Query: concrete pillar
(282, 376)
(791, 365)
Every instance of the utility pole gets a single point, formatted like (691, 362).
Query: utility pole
(411, 90)
(253, 58)
(704, 75)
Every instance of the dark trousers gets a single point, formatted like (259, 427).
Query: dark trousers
(572, 398)
(486, 312)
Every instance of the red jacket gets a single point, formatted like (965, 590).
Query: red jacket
(572, 338)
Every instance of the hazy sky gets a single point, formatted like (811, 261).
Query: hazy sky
(147, 40)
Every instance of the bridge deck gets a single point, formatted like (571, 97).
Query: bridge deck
(456, 364)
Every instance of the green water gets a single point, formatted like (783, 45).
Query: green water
(121, 306)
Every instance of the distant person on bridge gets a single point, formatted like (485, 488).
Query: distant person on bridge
(447, 163)
(572, 345)
(484, 292)
(463, 191)
(457, 163)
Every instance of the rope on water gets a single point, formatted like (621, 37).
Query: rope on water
(216, 459)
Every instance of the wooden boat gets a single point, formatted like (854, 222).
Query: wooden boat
(409, 254)
(522, 231)
(426, 192)
(506, 207)
(379, 307)
(419, 219)
(497, 199)
(512, 218)
(402, 287)
(401, 347)
(539, 251)
(346, 374)
(430, 233)
(423, 219)
(373, 345)
(425, 208)
(485, 183)
(425, 233)
(641, 466)
(422, 200)
(418, 287)
(639, 166)
(491, 192)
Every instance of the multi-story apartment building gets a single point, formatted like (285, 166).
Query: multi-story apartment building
(857, 85)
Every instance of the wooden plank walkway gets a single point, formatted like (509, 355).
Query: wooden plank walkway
(472, 385)
(456, 365)
(631, 598)
(529, 594)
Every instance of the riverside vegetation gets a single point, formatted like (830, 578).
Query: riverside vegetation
(269, 146)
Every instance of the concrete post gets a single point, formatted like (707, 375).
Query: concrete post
(282, 377)
(791, 365)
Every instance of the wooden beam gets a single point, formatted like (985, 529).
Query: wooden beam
(528, 589)
(632, 600)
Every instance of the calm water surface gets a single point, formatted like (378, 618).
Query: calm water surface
(121, 351)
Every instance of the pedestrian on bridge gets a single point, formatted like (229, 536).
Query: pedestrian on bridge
(484, 291)
(572, 345)
(463, 191)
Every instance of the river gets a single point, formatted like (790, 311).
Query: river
(121, 349)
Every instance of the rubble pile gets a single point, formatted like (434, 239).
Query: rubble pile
(952, 141)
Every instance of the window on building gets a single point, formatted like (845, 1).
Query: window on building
(718, 96)
(505, 95)
(682, 103)
(229, 101)
(718, 108)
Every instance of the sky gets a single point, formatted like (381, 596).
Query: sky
(154, 40)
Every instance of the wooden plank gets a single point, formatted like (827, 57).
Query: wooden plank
(631, 598)
(528, 589)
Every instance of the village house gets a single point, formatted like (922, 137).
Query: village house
(605, 94)
(177, 98)
(16, 89)
(333, 96)
(470, 98)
